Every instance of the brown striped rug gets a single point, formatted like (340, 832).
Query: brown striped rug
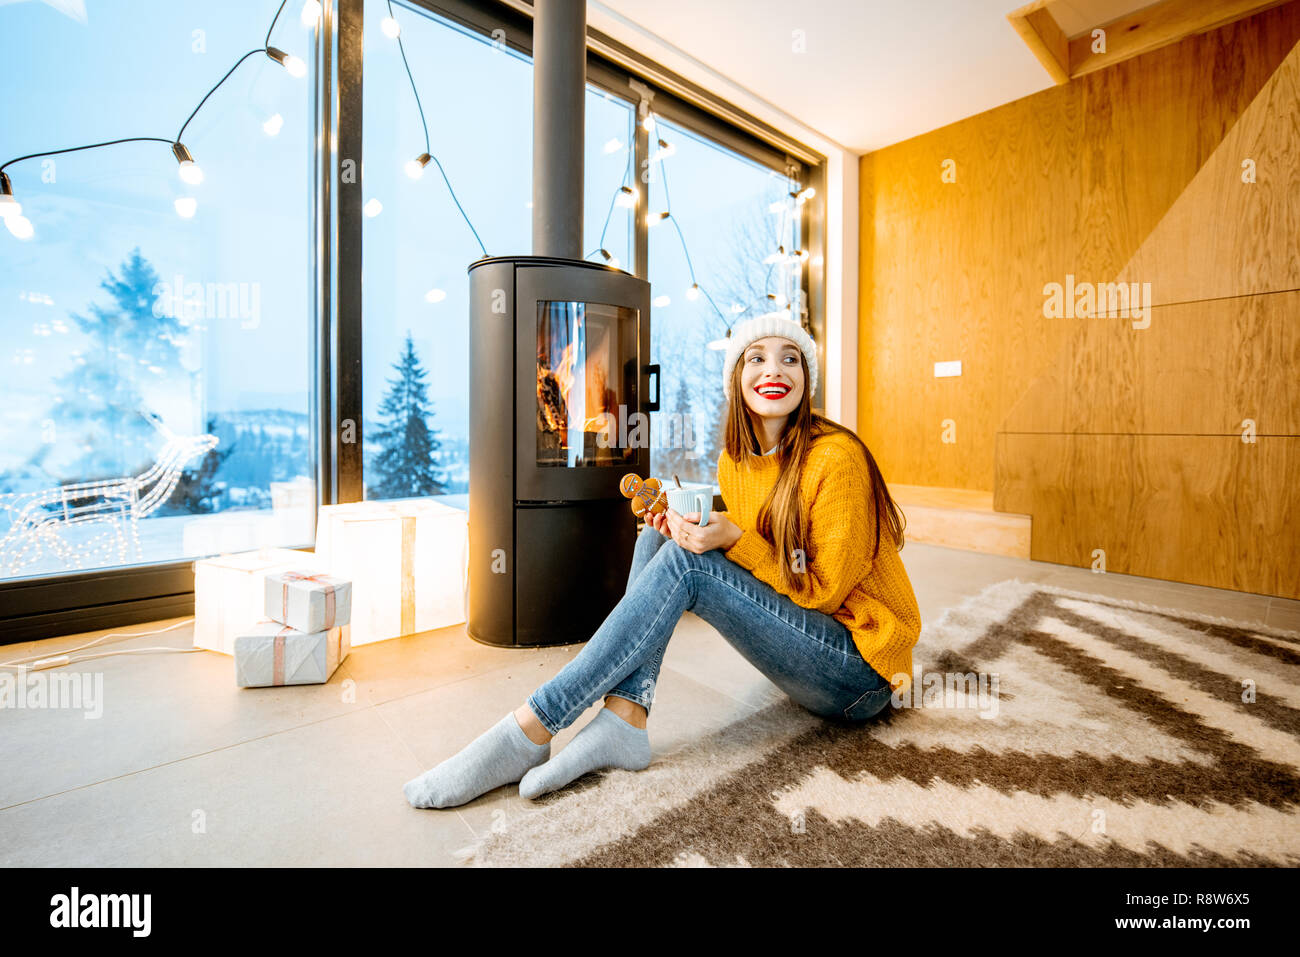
(1043, 728)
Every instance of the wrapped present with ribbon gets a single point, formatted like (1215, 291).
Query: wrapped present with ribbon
(308, 601)
(230, 591)
(270, 654)
(406, 560)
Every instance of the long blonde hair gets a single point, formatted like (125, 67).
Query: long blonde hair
(781, 519)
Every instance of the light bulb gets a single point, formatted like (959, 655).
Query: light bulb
(737, 308)
(392, 29)
(654, 219)
(373, 208)
(293, 65)
(661, 301)
(627, 197)
(718, 344)
(648, 124)
(273, 125)
(189, 170)
(806, 195)
(20, 226)
(415, 167)
(186, 207)
(779, 206)
(614, 145)
(310, 12)
(614, 262)
(435, 295)
(694, 292)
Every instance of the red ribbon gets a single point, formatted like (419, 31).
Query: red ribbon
(319, 578)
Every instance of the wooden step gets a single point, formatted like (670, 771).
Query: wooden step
(961, 518)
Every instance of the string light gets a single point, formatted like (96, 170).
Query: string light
(186, 207)
(628, 196)
(373, 207)
(664, 151)
(435, 295)
(415, 167)
(189, 170)
(292, 64)
(310, 13)
(424, 158)
(392, 29)
(613, 145)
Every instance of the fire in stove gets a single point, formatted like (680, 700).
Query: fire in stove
(577, 410)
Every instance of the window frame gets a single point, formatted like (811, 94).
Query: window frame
(55, 605)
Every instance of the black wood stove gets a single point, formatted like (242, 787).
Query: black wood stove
(560, 385)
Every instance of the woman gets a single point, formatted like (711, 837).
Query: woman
(801, 575)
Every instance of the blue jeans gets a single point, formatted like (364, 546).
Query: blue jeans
(808, 655)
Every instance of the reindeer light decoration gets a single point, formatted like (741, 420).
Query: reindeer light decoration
(39, 520)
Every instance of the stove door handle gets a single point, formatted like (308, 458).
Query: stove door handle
(652, 405)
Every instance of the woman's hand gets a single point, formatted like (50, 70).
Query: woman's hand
(659, 523)
(721, 532)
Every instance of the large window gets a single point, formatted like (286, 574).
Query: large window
(417, 244)
(177, 343)
(156, 381)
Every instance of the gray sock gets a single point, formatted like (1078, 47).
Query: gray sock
(498, 756)
(606, 742)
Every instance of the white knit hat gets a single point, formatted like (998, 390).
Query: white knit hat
(769, 324)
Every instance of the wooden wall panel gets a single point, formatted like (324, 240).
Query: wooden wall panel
(1210, 510)
(1069, 180)
(1198, 368)
(1092, 427)
(1226, 236)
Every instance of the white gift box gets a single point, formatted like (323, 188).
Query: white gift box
(406, 560)
(270, 654)
(308, 601)
(230, 591)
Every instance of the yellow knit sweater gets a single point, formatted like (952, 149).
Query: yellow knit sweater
(874, 600)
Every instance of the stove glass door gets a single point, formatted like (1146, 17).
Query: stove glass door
(586, 384)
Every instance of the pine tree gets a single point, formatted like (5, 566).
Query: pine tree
(100, 401)
(405, 465)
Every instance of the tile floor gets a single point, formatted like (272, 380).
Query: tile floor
(184, 768)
